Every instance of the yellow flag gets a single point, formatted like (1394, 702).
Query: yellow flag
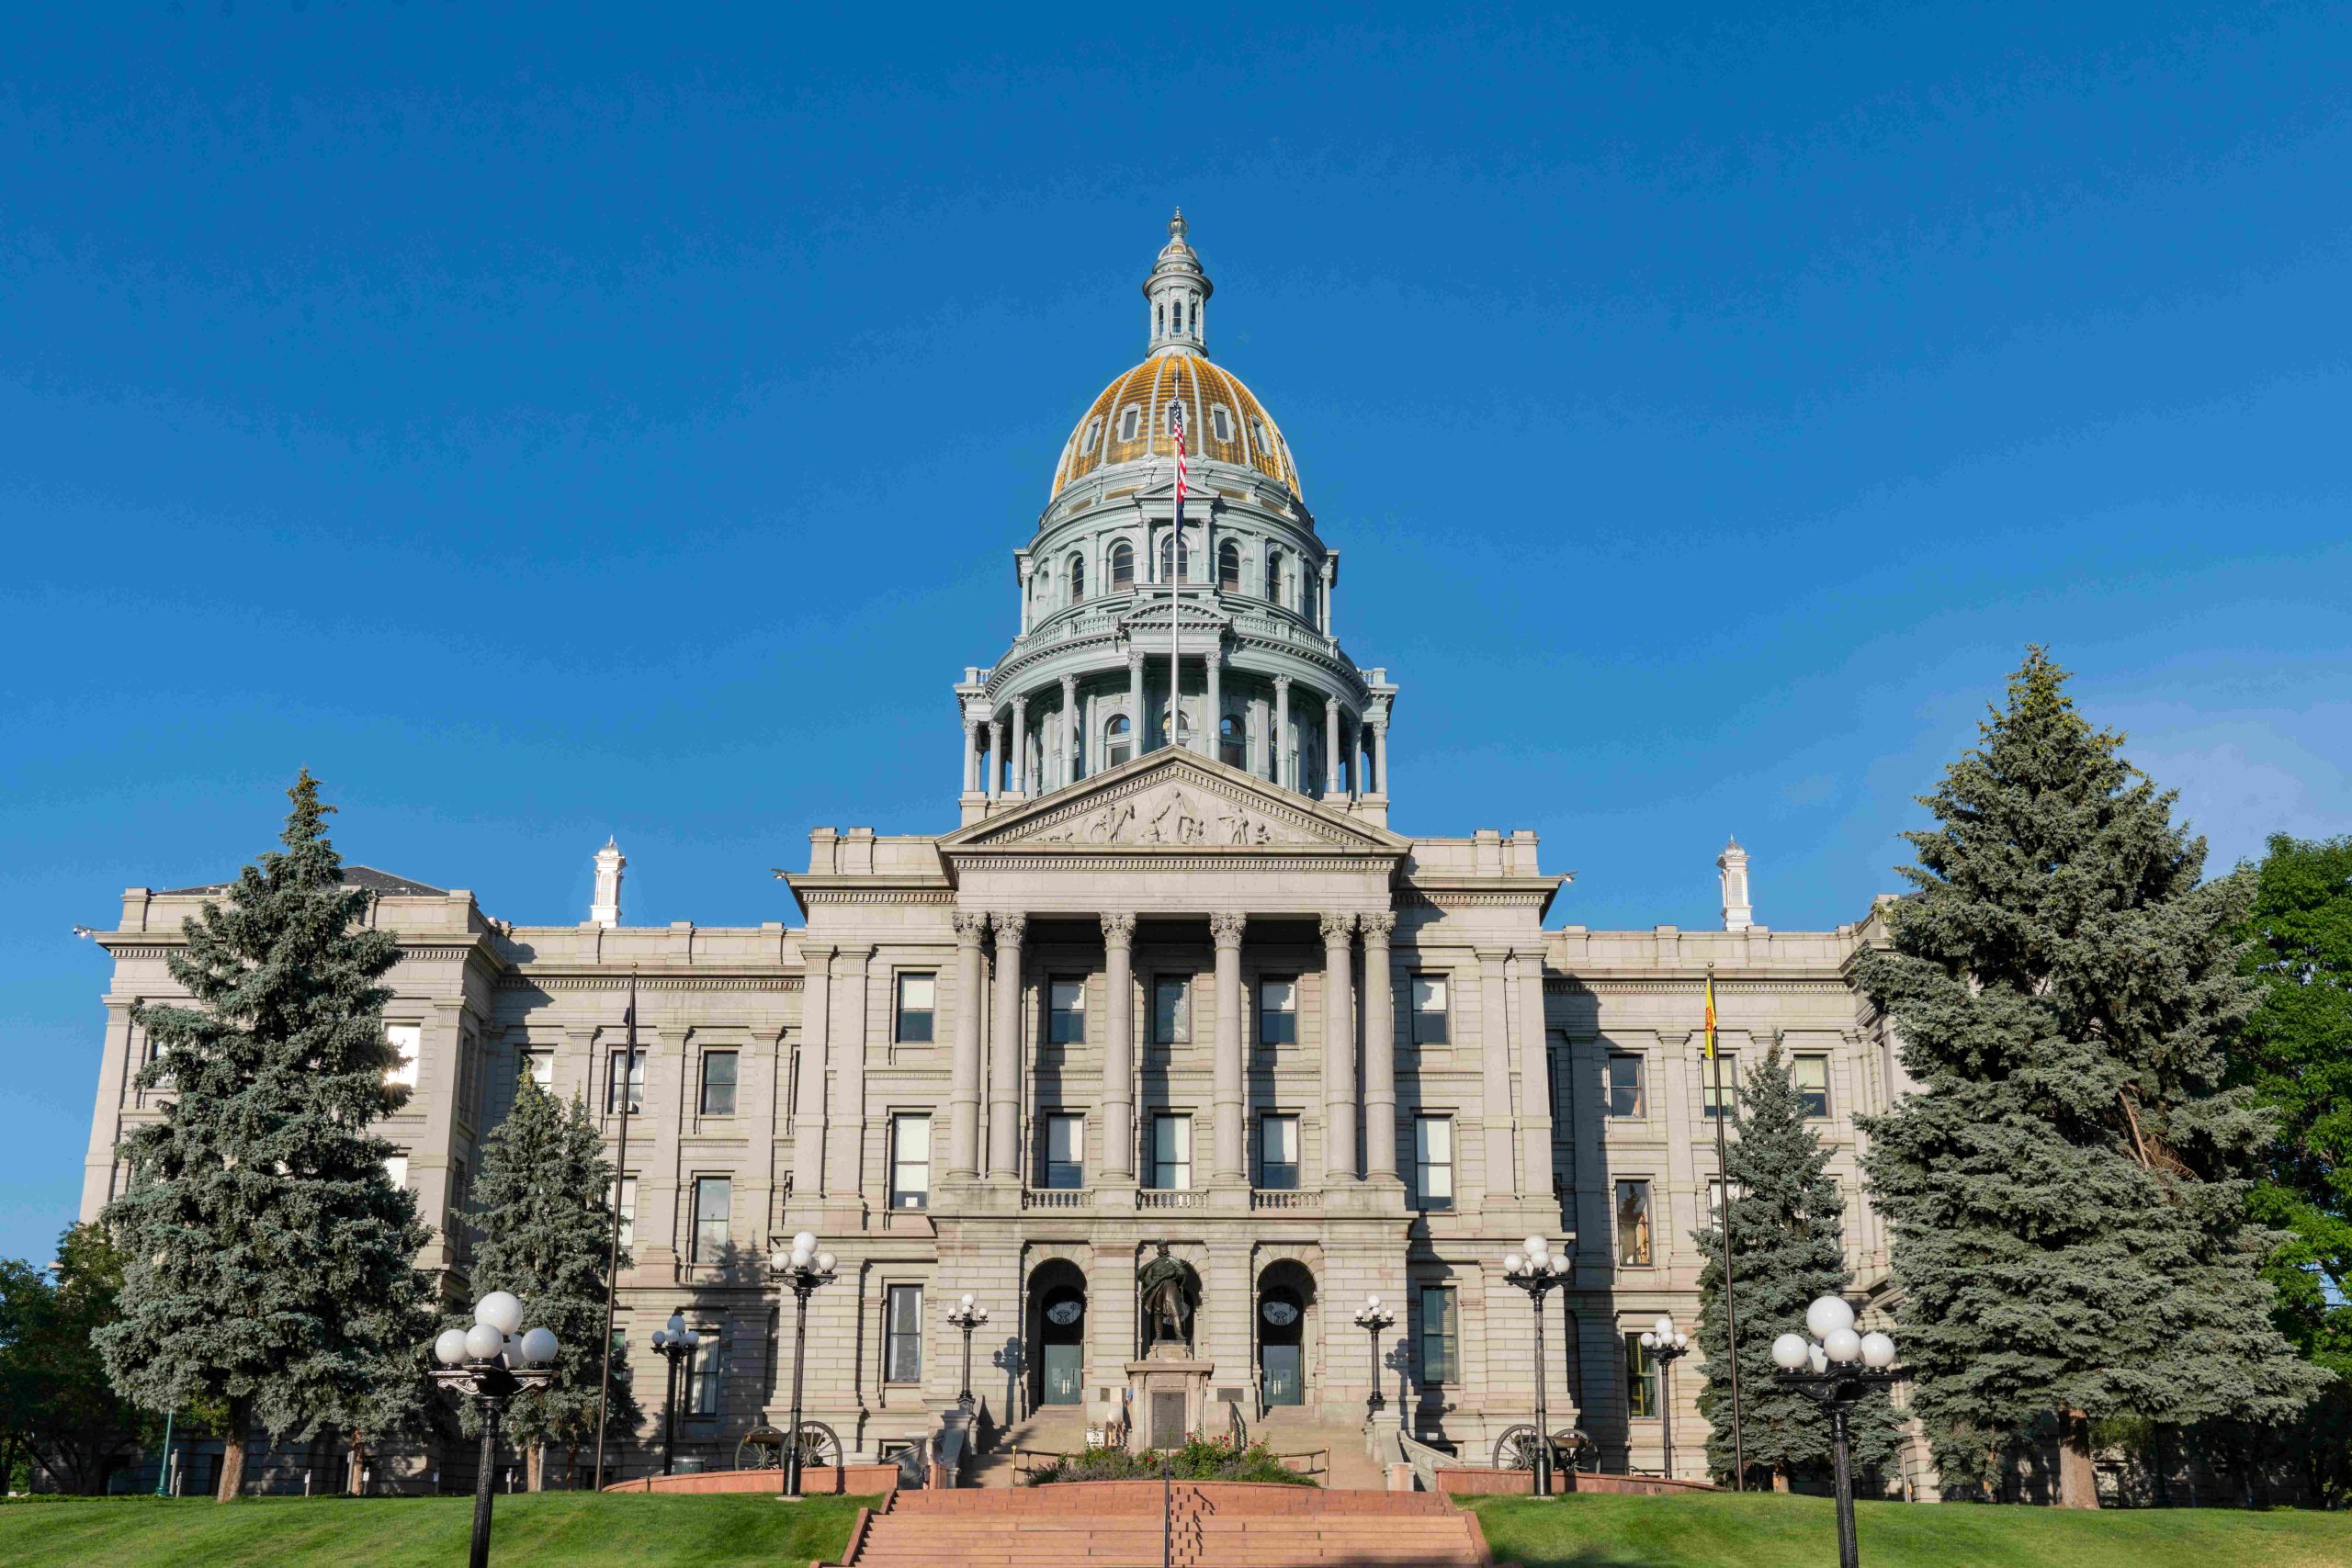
(1711, 1018)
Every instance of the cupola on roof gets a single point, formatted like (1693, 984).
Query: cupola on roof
(1224, 422)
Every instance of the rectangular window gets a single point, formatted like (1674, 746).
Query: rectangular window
(627, 1199)
(1278, 1153)
(1623, 1091)
(396, 1170)
(1641, 1378)
(1430, 1009)
(1633, 1224)
(536, 1065)
(614, 1068)
(1171, 1153)
(709, 1371)
(1813, 1085)
(719, 1083)
(1278, 1010)
(1066, 1012)
(918, 1005)
(460, 1200)
(714, 1196)
(1728, 1064)
(1715, 1204)
(407, 1040)
(1065, 1150)
(1433, 1161)
(1441, 1336)
(1171, 1010)
(910, 1162)
(902, 1336)
(468, 1075)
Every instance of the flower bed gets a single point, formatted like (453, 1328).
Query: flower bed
(1201, 1459)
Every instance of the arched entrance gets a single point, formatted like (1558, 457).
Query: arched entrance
(1286, 1294)
(1057, 1328)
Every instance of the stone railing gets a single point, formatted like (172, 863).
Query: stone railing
(1168, 1198)
(1055, 1197)
(1284, 1198)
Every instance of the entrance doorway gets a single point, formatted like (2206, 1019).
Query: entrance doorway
(1057, 1327)
(1285, 1291)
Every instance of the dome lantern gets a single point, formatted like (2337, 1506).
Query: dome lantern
(1176, 293)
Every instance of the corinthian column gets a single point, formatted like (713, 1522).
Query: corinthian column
(1004, 1065)
(1278, 773)
(1069, 729)
(1339, 1051)
(1379, 1051)
(963, 1091)
(1118, 1046)
(1330, 744)
(1228, 1079)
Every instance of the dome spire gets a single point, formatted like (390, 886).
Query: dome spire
(1176, 292)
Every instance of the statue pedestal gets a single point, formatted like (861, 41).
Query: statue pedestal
(1170, 1392)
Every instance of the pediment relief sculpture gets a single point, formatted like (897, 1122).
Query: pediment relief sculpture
(1172, 815)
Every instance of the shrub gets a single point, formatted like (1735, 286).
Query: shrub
(1202, 1459)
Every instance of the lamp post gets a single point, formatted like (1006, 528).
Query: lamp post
(1538, 1270)
(1667, 1345)
(492, 1363)
(1372, 1317)
(1836, 1368)
(804, 1269)
(968, 1317)
(673, 1342)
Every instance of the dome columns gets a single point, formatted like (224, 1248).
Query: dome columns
(1175, 294)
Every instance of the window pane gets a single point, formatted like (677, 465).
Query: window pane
(1428, 1009)
(1278, 1153)
(902, 1355)
(713, 1196)
(1434, 1160)
(1172, 1010)
(396, 1170)
(1066, 1012)
(1727, 1063)
(719, 1083)
(628, 1202)
(1624, 1085)
(1064, 1151)
(917, 999)
(1812, 1084)
(1172, 1147)
(539, 1066)
(709, 1371)
(1440, 1336)
(1633, 1224)
(1641, 1378)
(910, 1162)
(407, 1040)
(636, 1071)
(1278, 1012)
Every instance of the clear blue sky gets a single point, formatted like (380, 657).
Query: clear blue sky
(547, 425)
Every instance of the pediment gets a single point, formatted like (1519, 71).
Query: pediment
(1174, 802)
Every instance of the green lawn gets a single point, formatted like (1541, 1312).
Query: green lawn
(1769, 1531)
(573, 1529)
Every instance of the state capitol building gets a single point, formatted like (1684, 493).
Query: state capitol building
(1164, 971)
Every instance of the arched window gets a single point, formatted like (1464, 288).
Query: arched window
(1229, 566)
(1123, 565)
(1184, 550)
(1159, 319)
(1130, 423)
(1118, 741)
(1077, 579)
(1221, 423)
(1183, 736)
(1257, 433)
(1274, 575)
(1230, 742)
(1093, 434)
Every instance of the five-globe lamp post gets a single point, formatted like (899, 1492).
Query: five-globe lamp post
(1372, 1317)
(1538, 1270)
(968, 1317)
(492, 1363)
(1667, 1345)
(806, 1269)
(1837, 1369)
(674, 1343)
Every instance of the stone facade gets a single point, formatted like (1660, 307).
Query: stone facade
(1199, 993)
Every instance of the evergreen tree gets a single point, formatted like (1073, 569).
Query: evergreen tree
(2067, 1192)
(547, 1222)
(56, 1409)
(1788, 1250)
(268, 1254)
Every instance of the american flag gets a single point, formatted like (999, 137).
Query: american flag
(1176, 428)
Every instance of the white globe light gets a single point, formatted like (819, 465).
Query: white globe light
(779, 1259)
(1663, 1327)
(500, 1311)
(1534, 1246)
(538, 1346)
(1789, 1351)
(1815, 1359)
(450, 1348)
(1827, 1316)
(801, 1260)
(1373, 1302)
(677, 1325)
(804, 1241)
(824, 1263)
(482, 1342)
(968, 1298)
(1682, 1340)
(693, 1338)
(1512, 1263)
(513, 1350)
(1844, 1346)
(1649, 1340)
(983, 1313)
(1878, 1350)
(1560, 1263)
(659, 1339)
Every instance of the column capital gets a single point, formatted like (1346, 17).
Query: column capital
(1070, 686)
(1118, 928)
(1226, 926)
(1377, 927)
(1282, 682)
(1010, 927)
(1338, 929)
(971, 926)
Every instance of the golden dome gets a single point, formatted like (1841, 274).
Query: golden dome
(1223, 422)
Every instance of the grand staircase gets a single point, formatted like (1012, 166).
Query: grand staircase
(1117, 1524)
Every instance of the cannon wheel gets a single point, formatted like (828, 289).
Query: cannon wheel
(1573, 1448)
(818, 1445)
(1515, 1449)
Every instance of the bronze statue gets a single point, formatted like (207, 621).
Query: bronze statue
(1165, 1307)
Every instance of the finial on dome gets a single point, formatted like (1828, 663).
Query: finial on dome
(1176, 226)
(1176, 291)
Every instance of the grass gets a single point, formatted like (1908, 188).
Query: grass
(574, 1528)
(1779, 1531)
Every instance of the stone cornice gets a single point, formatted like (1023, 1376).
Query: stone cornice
(1691, 985)
(619, 979)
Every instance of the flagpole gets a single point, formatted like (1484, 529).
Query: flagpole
(1176, 575)
(1722, 1180)
(612, 1261)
